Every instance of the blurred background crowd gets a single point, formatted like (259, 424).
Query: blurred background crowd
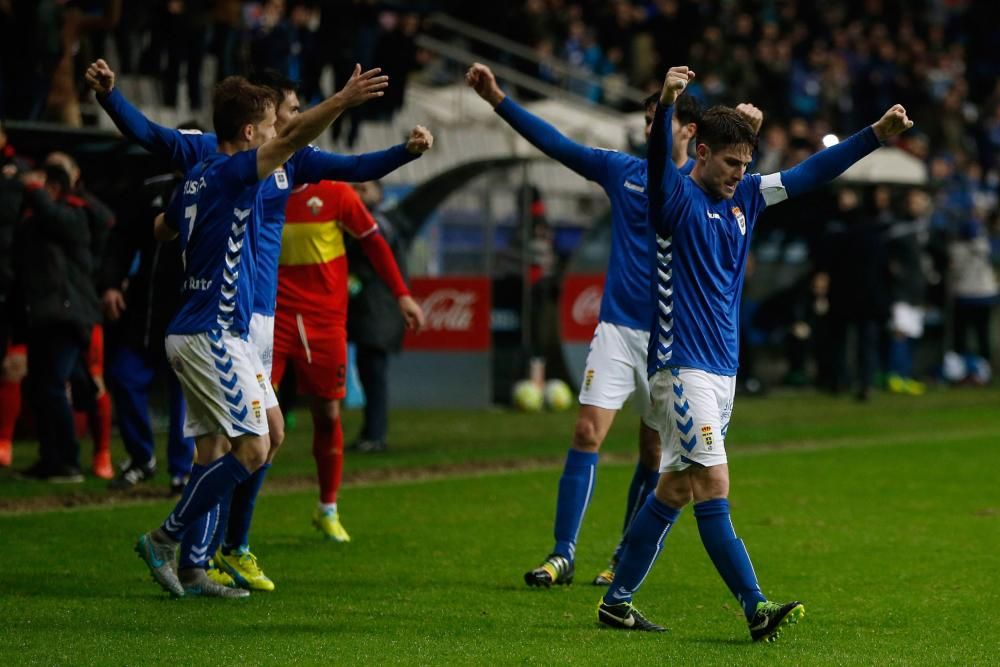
(879, 266)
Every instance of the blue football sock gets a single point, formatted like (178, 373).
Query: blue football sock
(728, 552)
(576, 486)
(195, 545)
(649, 529)
(643, 482)
(220, 526)
(241, 510)
(206, 489)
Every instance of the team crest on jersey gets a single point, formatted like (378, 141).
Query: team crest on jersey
(740, 219)
(281, 179)
(315, 205)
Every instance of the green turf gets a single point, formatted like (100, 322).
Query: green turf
(882, 518)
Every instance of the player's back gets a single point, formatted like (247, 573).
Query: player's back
(629, 274)
(218, 213)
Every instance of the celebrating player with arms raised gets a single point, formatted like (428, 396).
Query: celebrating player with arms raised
(220, 371)
(703, 226)
(616, 364)
(309, 165)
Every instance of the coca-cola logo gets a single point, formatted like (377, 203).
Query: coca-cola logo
(587, 306)
(449, 309)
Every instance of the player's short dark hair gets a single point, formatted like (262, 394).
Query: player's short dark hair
(723, 126)
(237, 103)
(687, 108)
(279, 84)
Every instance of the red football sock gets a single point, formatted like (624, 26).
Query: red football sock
(99, 420)
(328, 450)
(10, 408)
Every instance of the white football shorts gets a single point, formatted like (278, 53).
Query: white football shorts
(692, 410)
(261, 336)
(616, 368)
(224, 384)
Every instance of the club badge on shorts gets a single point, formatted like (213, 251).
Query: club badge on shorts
(706, 436)
(256, 410)
(281, 179)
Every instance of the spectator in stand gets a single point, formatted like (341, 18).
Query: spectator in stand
(186, 22)
(139, 297)
(30, 50)
(54, 269)
(271, 38)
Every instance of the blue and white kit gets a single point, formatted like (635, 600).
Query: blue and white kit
(616, 362)
(702, 243)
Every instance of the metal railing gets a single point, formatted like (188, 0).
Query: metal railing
(567, 72)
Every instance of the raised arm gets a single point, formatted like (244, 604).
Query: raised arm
(315, 165)
(830, 162)
(184, 149)
(586, 161)
(663, 180)
(306, 126)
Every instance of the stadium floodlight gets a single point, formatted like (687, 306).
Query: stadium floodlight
(830, 140)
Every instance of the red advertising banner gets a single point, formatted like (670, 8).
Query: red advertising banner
(457, 310)
(580, 306)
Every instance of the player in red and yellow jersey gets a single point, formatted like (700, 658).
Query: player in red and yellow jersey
(310, 325)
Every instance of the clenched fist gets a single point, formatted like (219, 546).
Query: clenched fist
(674, 83)
(893, 122)
(752, 114)
(420, 140)
(100, 77)
(480, 78)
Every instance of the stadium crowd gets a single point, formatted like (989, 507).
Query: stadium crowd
(815, 70)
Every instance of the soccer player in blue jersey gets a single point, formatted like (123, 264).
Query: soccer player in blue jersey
(616, 363)
(308, 165)
(220, 371)
(703, 224)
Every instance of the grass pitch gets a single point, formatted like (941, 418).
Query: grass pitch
(884, 519)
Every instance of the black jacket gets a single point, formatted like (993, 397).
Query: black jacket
(54, 263)
(373, 316)
(152, 291)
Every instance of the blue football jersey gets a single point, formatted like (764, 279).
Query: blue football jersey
(702, 244)
(187, 148)
(217, 214)
(629, 274)
(626, 299)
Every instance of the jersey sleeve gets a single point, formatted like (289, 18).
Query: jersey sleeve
(820, 168)
(352, 214)
(751, 198)
(589, 162)
(665, 184)
(184, 148)
(312, 165)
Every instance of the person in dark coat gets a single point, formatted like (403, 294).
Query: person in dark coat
(54, 266)
(139, 284)
(374, 325)
(856, 261)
